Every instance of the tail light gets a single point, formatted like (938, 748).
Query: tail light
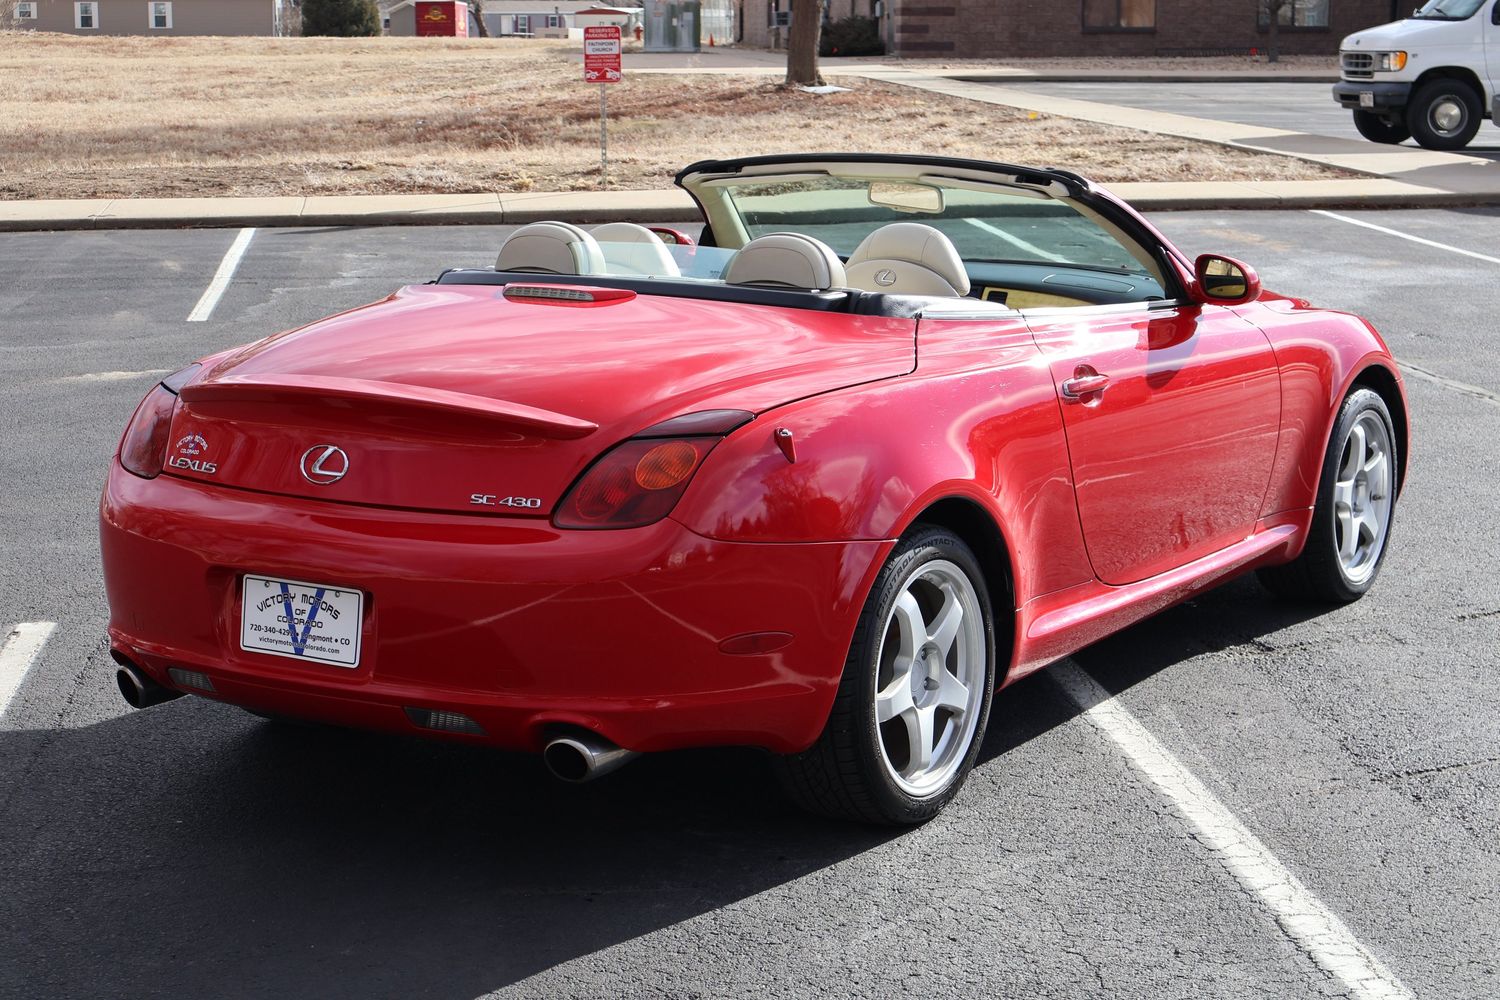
(639, 482)
(143, 450)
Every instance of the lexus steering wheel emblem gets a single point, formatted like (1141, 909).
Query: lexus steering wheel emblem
(885, 277)
(324, 464)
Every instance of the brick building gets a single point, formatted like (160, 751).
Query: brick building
(1021, 28)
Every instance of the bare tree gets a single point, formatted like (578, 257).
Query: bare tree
(802, 44)
(1273, 9)
(476, 8)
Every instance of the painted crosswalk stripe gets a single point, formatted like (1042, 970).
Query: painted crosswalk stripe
(1316, 930)
(20, 651)
(215, 290)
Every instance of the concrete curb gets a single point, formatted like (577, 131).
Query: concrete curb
(655, 206)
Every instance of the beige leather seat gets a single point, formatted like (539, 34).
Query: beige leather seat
(786, 260)
(631, 249)
(908, 258)
(550, 248)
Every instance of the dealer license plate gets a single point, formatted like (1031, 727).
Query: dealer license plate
(1366, 98)
(303, 621)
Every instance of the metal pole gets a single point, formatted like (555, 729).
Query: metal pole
(604, 134)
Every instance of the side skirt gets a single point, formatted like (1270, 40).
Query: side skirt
(1055, 625)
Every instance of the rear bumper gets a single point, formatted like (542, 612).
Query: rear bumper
(507, 620)
(1383, 96)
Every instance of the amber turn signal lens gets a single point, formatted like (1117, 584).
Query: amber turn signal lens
(666, 465)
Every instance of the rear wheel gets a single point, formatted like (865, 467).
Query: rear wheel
(1444, 114)
(1380, 128)
(914, 699)
(1356, 500)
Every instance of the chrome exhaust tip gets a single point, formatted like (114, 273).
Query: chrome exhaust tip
(581, 757)
(137, 687)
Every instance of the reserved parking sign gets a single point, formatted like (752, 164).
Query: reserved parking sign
(601, 54)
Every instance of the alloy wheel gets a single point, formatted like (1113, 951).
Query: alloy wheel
(1362, 497)
(930, 676)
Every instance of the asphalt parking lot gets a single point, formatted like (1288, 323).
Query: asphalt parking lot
(193, 850)
(1299, 107)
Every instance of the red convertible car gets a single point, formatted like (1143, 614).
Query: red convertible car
(895, 432)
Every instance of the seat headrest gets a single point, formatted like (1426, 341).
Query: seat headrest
(632, 249)
(550, 248)
(787, 260)
(908, 258)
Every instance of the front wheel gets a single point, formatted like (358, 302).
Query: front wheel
(1444, 114)
(1378, 128)
(914, 699)
(1352, 520)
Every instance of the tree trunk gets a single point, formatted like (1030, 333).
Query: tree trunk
(1273, 38)
(802, 44)
(476, 7)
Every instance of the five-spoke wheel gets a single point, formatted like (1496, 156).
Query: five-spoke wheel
(1356, 499)
(915, 695)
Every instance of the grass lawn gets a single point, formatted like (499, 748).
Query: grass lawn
(162, 117)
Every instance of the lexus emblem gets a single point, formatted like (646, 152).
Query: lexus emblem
(324, 464)
(886, 277)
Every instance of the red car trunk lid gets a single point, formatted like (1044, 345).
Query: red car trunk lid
(442, 395)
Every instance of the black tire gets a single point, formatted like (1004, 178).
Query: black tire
(1318, 574)
(1431, 101)
(844, 775)
(1377, 128)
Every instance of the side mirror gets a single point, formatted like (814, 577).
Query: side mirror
(1225, 281)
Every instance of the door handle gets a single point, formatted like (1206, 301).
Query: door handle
(1084, 385)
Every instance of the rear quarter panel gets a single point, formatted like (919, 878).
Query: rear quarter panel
(978, 419)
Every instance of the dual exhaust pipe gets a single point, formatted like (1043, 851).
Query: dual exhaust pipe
(575, 757)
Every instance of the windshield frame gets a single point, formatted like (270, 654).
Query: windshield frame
(1168, 265)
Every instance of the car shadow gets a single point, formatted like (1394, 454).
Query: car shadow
(192, 850)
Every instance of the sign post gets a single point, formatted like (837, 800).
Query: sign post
(601, 65)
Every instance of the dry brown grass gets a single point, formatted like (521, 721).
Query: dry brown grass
(154, 117)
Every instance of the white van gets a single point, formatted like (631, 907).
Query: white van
(1431, 76)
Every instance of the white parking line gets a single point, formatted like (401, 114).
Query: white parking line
(112, 376)
(20, 651)
(1016, 241)
(1314, 928)
(1405, 236)
(222, 277)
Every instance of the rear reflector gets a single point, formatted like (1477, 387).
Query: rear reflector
(566, 295)
(444, 722)
(190, 679)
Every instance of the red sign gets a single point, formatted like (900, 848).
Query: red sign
(442, 18)
(601, 54)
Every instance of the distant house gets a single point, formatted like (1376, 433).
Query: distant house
(533, 18)
(148, 17)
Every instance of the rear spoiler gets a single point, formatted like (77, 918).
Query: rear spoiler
(386, 396)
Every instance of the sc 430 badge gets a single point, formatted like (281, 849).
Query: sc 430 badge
(491, 500)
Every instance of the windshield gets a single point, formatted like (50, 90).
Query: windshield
(986, 224)
(1448, 10)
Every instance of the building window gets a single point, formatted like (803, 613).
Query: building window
(161, 14)
(26, 11)
(554, 20)
(86, 15)
(522, 24)
(1119, 15)
(1296, 14)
